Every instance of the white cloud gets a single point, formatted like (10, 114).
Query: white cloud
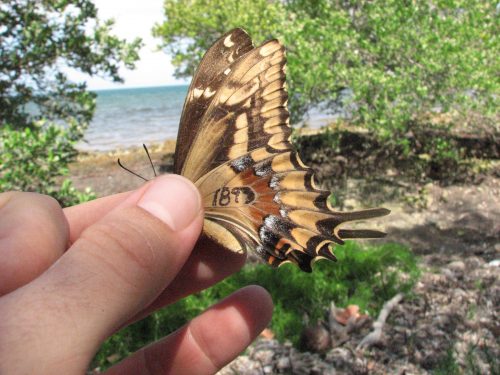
(135, 19)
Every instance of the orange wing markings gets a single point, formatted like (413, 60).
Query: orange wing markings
(268, 208)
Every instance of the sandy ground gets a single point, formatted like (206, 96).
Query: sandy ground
(101, 172)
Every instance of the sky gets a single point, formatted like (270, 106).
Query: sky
(135, 19)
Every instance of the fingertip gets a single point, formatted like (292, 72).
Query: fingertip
(232, 324)
(257, 307)
(208, 342)
(173, 199)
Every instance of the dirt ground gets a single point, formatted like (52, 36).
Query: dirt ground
(450, 322)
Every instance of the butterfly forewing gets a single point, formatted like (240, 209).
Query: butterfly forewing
(256, 191)
(233, 124)
(206, 81)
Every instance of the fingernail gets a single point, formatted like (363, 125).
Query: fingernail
(172, 199)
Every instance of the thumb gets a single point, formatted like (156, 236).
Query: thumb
(113, 270)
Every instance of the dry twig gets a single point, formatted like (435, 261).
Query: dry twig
(375, 336)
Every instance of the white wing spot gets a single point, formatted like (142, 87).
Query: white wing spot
(228, 42)
(208, 93)
(197, 92)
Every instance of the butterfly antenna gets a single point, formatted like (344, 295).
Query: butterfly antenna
(128, 170)
(149, 157)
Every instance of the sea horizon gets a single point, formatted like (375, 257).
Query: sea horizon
(97, 91)
(130, 116)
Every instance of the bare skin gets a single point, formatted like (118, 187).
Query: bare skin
(70, 278)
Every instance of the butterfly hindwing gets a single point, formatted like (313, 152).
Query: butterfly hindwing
(256, 191)
(272, 199)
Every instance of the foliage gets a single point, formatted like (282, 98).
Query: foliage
(34, 159)
(387, 65)
(39, 42)
(367, 277)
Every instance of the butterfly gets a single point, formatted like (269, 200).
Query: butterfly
(234, 144)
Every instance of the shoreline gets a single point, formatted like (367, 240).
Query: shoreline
(168, 145)
(100, 171)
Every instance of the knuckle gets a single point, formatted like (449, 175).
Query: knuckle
(47, 201)
(203, 347)
(34, 200)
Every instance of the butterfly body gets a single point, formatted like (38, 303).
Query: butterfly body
(234, 144)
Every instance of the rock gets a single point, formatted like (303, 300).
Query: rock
(316, 338)
(449, 274)
(268, 369)
(494, 263)
(433, 279)
(457, 267)
(265, 357)
(473, 262)
(242, 365)
(339, 357)
(283, 364)
(459, 295)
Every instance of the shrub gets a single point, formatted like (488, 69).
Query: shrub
(386, 65)
(34, 159)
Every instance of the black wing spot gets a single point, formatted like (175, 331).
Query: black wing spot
(240, 164)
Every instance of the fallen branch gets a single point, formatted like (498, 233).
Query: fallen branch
(375, 336)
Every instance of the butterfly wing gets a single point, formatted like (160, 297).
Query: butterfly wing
(206, 80)
(268, 201)
(252, 90)
(257, 193)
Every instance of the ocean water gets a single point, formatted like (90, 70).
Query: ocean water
(130, 117)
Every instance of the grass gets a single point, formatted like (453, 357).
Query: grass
(471, 365)
(365, 276)
(448, 365)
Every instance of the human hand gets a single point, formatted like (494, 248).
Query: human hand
(70, 278)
